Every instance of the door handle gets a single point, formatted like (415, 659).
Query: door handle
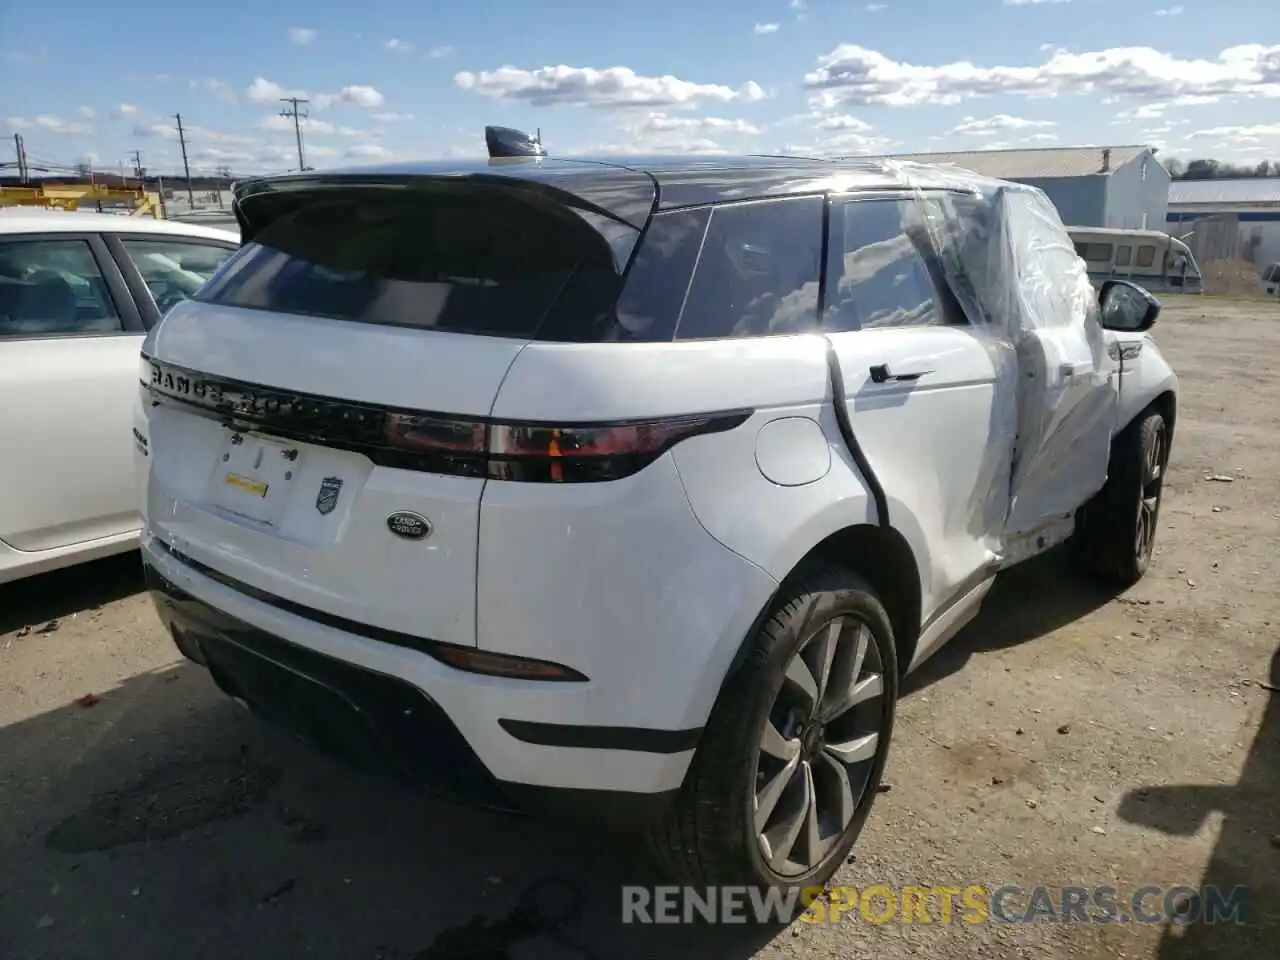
(1074, 369)
(880, 373)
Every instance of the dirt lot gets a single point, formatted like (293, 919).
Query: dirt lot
(1067, 737)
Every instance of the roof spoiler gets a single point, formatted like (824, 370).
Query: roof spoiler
(509, 142)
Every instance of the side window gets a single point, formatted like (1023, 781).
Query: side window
(649, 306)
(174, 270)
(1124, 255)
(883, 273)
(50, 287)
(759, 271)
(1146, 255)
(1101, 253)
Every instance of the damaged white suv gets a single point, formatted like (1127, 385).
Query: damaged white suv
(634, 488)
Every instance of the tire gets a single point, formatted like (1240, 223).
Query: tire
(1117, 528)
(710, 835)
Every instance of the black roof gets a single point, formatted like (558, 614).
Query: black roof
(626, 186)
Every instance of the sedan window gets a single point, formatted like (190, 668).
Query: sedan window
(50, 287)
(174, 270)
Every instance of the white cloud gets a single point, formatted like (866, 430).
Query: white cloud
(219, 88)
(875, 7)
(836, 135)
(396, 45)
(90, 159)
(611, 87)
(764, 29)
(368, 151)
(126, 110)
(310, 127)
(1031, 3)
(844, 123)
(393, 117)
(168, 130)
(302, 36)
(50, 124)
(1043, 137)
(696, 147)
(1174, 11)
(1153, 111)
(357, 95)
(87, 113)
(662, 122)
(263, 90)
(853, 75)
(1000, 123)
(798, 4)
(439, 53)
(1238, 133)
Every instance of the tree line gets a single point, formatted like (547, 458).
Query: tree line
(1219, 170)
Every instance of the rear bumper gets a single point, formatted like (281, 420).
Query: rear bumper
(385, 724)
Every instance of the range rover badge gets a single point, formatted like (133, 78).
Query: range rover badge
(327, 498)
(410, 526)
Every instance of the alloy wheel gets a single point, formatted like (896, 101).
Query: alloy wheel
(1153, 465)
(818, 747)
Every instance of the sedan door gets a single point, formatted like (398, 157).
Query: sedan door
(70, 336)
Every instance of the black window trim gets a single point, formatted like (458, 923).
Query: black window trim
(131, 321)
(138, 288)
(834, 226)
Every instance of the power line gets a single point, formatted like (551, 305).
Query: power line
(297, 125)
(186, 168)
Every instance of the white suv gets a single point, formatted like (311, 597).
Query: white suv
(634, 490)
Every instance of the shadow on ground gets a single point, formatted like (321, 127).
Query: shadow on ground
(36, 601)
(1027, 602)
(165, 821)
(1245, 861)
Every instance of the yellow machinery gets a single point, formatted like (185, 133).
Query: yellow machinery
(69, 196)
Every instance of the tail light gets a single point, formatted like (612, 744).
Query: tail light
(541, 453)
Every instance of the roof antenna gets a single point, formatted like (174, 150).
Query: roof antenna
(504, 142)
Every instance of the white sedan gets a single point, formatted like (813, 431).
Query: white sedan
(78, 292)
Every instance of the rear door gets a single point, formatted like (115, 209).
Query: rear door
(337, 371)
(931, 398)
(69, 341)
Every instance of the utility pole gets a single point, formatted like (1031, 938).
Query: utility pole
(297, 125)
(21, 149)
(182, 142)
(137, 164)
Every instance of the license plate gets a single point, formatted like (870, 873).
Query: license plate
(254, 488)
(252, 474)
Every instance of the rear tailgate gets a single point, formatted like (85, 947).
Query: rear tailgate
(308, 520)
(338, 372)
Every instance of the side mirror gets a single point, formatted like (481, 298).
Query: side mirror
(1127, 307)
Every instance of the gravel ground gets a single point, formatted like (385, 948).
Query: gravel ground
(1068, 737)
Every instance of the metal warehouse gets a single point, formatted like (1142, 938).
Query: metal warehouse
(1228, 219)
(1121, 186)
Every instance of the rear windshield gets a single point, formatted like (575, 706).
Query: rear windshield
(1274, 273)
(463, 261)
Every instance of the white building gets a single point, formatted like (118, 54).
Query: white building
(1227, 219)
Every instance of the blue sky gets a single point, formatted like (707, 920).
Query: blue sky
(406, 81)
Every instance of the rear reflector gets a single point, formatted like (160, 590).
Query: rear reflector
(529, 452)
(503, 665)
